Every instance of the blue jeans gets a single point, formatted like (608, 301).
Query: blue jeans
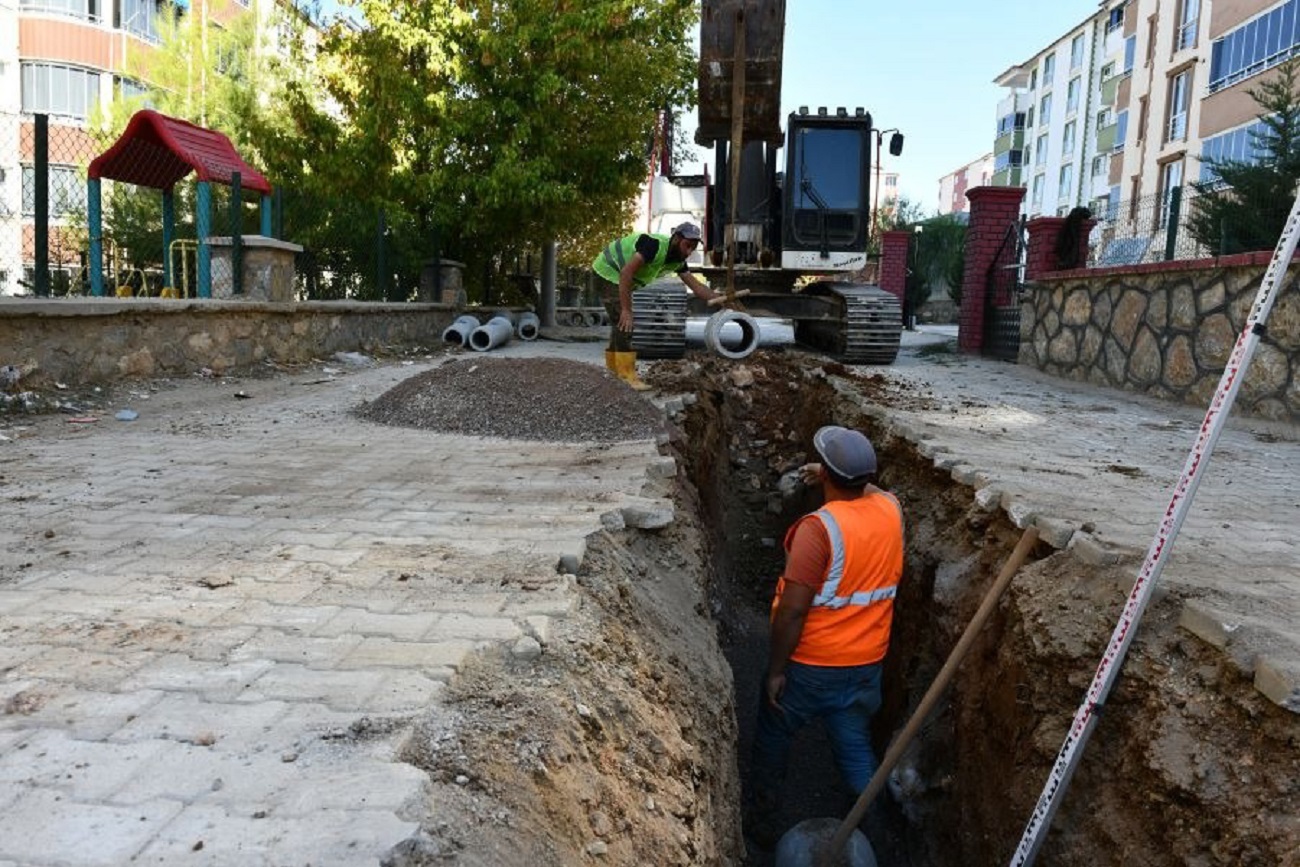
(845, 698)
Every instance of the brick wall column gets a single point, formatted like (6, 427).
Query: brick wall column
(992, 211)
(1044, 235)
(893, 262)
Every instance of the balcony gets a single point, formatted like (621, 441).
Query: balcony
(1107, 136)
(1109, 88)
(1008, 177)
(1009, 141)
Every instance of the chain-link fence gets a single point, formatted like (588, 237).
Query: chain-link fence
(42, 206)
(1154, 228)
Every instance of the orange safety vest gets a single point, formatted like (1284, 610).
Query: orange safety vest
(849, 621)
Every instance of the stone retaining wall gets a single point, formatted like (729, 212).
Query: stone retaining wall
(101, 340)
(1166, 330)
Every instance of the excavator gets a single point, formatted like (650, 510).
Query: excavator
(788, 242)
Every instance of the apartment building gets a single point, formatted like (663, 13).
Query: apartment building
(60, 58)
(1057, 126)
(953, 186)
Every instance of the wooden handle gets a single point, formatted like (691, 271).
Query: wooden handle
(932, 695)
(722, 299)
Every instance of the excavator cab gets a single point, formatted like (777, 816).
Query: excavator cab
(826, 196)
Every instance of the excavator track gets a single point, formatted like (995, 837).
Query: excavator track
(865, 328)
(659, 321)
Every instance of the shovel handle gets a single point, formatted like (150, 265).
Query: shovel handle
(722, 299)
(932, 695)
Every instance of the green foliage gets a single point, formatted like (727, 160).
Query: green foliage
(499, 125)
(936, 258)
(1246, 208)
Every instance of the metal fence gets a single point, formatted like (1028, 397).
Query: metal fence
(351, 249)
(1152, 228)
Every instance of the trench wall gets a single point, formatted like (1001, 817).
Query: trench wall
(101, 340)
(1166, 330)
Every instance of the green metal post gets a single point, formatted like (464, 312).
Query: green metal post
(203, 228)
(169, 231)
(94, 214)
(236, 235)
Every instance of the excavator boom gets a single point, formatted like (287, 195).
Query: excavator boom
(762, 40)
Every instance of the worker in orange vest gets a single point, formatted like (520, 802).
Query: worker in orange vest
(830, 622)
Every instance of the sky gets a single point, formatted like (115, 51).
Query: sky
(925, 67)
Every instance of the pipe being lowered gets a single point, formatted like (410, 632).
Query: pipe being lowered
(736, 335)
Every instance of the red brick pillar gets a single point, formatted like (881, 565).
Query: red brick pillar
(893, 262)
(992, 211)
(1044, 237)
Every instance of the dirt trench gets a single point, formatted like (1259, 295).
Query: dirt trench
(626, 742)
(1190, 765)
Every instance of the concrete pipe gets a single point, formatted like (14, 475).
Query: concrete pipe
(459, 331)
(772, 331)
(529, 326)
(495, 332)
(749, 334)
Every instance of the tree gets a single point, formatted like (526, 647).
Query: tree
(500, 125)
(1245, 204)
(940, 257)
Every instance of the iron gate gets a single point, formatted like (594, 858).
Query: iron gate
(1005, 279)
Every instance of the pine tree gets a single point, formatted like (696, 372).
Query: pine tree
(1244, 206)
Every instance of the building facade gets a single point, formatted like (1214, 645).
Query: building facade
(1057, 125)
(953, 186)
(62, 58)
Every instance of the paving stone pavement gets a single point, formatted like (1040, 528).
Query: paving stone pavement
(197, 608)
(1094, 468)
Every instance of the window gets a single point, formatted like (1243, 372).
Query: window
(1100, 166)
(1171, 178)
(67, 191)
(1041, 150)
(1076, 52)
(1049, 69)
(1112, 203)
(1036, 198)
(1033, 79)
(1045, 110)
(1007, 160)
(1122, 120)
(1105, 118)
(1188, 19)
(1072, 96)
(139, 17)
(1029, 118)
(1261, 43)
(1179, 93)
(52, 88)
(1067, 141)
(85, 9)
(1240, 144)
(1130, 53)
(1115, 19)
(1107, 72)
(1066, 186)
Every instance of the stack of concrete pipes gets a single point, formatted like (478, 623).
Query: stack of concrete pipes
(467, 331)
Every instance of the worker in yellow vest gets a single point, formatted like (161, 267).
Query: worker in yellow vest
(628, 264)
(830, 622)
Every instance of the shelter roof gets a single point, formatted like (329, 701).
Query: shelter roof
(157, 151)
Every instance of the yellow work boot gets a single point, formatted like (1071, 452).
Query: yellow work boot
(626, 370)
(611, 361)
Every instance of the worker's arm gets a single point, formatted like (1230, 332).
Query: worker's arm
(625, 282)
(787, 627)
(696, 285)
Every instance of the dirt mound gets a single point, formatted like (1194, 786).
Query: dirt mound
(518, 398)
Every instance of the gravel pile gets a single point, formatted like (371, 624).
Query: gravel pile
(519, 398)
